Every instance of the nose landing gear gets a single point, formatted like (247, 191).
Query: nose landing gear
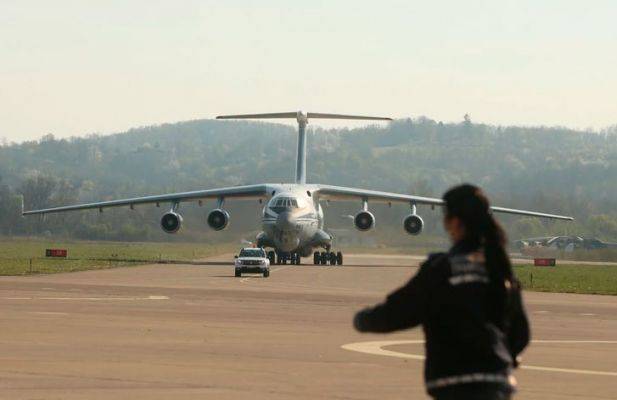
(284, 258)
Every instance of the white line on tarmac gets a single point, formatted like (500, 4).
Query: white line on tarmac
(90, 298)
(376, 348)
(47, 313)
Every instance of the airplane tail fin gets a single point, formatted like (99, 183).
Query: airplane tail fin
(302, 119)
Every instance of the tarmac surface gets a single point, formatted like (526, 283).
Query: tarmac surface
(196, 332)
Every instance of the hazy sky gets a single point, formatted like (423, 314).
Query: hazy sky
(78, 67)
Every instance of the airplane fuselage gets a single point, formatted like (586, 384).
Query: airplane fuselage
(293, 221)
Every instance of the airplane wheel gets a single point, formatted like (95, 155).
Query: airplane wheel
(298, 259)
(324, 258)
(339, 258)
(316, 258)
(272, 257)
(332, 258)
(238, 273)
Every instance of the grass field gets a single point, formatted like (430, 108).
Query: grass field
(588, 279)
(27, 256)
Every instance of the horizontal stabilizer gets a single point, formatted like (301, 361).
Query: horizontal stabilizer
(343, 116)
(293, 114)
(299, 115)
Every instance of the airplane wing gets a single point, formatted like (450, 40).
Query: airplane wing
(237, 192)
(343, 193)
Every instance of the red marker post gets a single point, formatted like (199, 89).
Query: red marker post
(544, 262)
(58, 253)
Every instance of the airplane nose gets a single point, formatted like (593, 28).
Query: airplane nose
(285, 221)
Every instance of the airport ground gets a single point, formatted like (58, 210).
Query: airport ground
(25, 256)
(188, 331)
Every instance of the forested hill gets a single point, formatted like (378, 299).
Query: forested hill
(546, 169)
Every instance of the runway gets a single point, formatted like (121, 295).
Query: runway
(196, 332)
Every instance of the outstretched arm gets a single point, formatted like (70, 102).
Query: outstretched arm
(404, 308)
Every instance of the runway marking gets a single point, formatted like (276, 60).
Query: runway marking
(541, 312)
(376, 348)
(47, 313)
(90, 298)
(588, 314)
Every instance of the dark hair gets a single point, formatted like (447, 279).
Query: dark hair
(471, 206)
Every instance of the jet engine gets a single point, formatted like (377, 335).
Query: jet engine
(171, 222)
(413, 224)
(218, 219)
(364, 221)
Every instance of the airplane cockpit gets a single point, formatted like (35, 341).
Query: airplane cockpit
(284, 203)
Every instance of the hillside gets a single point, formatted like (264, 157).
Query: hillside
(546, 169)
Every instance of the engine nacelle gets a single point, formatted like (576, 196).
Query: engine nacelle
(218, 219)
(171, 222)
(364, 221)
(413, 224)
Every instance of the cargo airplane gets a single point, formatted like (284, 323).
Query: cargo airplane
(293, 219)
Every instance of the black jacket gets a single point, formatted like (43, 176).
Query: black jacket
(449, 297)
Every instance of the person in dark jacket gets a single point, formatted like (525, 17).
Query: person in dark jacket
(468, 303)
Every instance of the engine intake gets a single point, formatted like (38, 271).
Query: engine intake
(218, 219)
(413, 224)
(364, 221)
(171, 222)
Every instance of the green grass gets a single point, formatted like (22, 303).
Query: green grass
(25, 256)
(587, 279)
(16, 256)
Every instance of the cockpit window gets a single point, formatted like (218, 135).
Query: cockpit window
(284, 203)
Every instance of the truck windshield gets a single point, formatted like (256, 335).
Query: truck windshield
(252, 253)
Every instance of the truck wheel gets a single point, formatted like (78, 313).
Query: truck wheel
(266, 273)
(238, 273)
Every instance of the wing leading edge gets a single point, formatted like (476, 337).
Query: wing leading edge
(237, 192)
(343, 193)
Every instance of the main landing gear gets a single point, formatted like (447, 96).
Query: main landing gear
(327, 257)
(284, 258)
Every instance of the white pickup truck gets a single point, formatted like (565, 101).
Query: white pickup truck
(252, 260)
